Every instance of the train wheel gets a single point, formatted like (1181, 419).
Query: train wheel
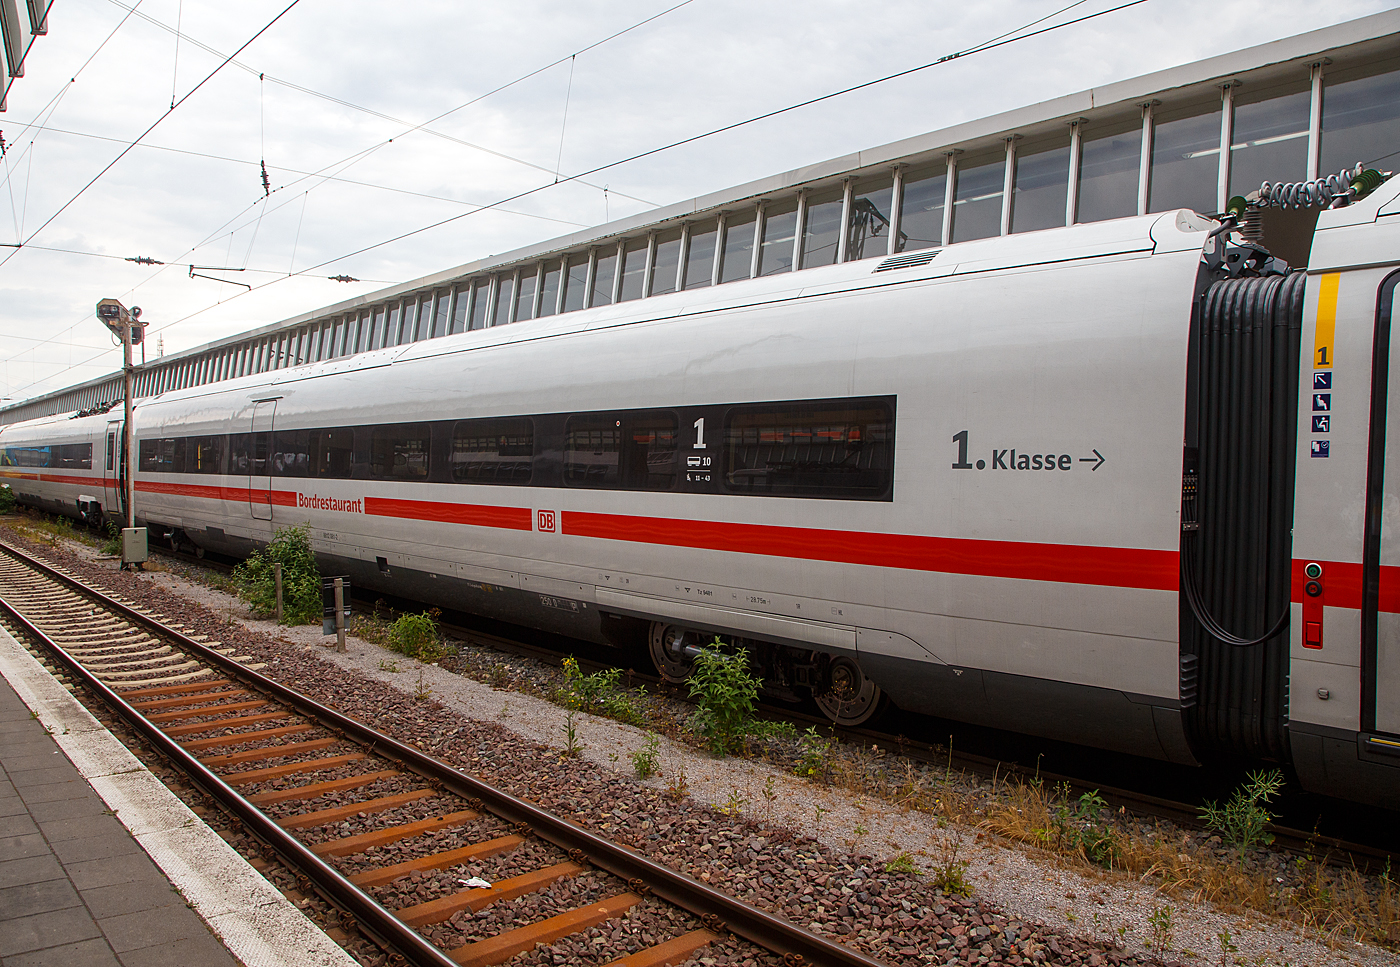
(666, 645)
(852, 698)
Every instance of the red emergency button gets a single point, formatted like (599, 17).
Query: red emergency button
(1312, 634)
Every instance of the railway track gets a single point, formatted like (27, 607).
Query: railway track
(292, 772)
(1335, 851)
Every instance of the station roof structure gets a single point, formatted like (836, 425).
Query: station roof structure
(1187, 137)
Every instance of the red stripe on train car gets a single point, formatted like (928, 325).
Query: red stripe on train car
(479, 515)
(281, 498)
(1109, 566)
(67, 479)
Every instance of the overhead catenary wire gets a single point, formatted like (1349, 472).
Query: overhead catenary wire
(131, 10)
(123, 153)
(423, 126)
(1001, 41)
(980, 48)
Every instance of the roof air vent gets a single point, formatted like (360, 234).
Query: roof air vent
(907, 261)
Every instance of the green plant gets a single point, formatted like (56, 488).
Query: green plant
(388, 666)
(734, 805)
(949, 873)
(7, 499)
(422, 690)
(1159, 928)
(1242, 819)
(598, 692)
(1228, 948)
(814, 756)
(903, 863)
(416, 635)
(301, 578)
(1075, 825)
(644, 759)
(572, 746)
(725, 692)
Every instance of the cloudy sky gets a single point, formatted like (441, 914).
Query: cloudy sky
(377, 119)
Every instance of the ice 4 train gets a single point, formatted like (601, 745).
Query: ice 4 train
(1133, 484)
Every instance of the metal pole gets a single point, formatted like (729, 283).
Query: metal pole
(277, 580)
(127, 369)
(340, 615)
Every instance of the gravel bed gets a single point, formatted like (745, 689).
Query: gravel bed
(897, 917)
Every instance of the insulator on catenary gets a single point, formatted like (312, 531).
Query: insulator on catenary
(1332, 191)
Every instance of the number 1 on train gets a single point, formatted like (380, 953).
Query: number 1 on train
(960, 438)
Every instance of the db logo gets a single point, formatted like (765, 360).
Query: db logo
(545, 522)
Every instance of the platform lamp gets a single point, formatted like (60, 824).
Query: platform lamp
(127, 326)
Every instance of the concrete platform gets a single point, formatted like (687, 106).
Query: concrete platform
(100, 864)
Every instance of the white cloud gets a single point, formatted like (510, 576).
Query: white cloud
(709, 63)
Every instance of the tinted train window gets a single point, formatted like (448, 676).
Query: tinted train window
(630, 451)
(837, 448)
(75, 456)
(27, 456)
(161, 456)
(493, 451)
(331, 452)
(400, 451)
(204, 454)
(291, 454)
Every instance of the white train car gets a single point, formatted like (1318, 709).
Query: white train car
(974, 480)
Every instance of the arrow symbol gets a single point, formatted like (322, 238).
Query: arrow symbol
(1091, 460)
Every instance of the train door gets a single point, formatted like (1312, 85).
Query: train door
(259, 476)
(114, 474)
(1380, 575)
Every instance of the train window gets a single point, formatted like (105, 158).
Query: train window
(867, 231)
(204, 454)
(461, 308)
(111, 448)
(75, 456)
(604, 275)
(634, 268)
(631, 451)
(496, 451)
(505, 296)
(291, 454)
(1185, 158)
(830, 448)
(576, 282)
(161, 456)
(1110, 160)
(1360, 119)
(525, 294)
(700, 255)
(1042, 183)
(1270, 139)
(549, 290)
(400, 451)
(779, 227)
(822, 229)
(977, 199)
(28, 457)
(737, 261)
(665, 263)
(331, 452)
